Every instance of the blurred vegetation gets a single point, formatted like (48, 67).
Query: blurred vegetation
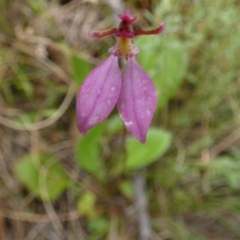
(82, 185)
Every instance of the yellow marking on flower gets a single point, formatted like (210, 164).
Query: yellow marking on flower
(124, 46)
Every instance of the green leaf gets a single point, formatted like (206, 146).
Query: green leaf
(139, 155)
(86, 204)
(87, 151)
(114, 124)
(126, 188)
(164, 60)
(42, 174)
(80, 68)
(98, 226)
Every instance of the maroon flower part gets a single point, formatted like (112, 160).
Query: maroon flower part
(105, 86)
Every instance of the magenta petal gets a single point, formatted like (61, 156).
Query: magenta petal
(98, 94)
(137, 99)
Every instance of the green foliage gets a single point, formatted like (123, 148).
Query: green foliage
(126, 188)
(87, 151)
(165, 61)
(225, 169)
(86, 203)
(140, 155)
(114, 124)
(38, 6)
(98, 226)
(23, 79)
(42, 174)
(80, 68)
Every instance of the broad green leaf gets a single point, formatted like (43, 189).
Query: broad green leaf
(164, 60)
(42, 174)
(80, 68)
(139, 155)
(87, 151)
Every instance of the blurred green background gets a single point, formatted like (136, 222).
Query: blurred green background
(57, 184)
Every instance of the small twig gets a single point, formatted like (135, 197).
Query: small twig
(2, 229)
(141, 202)
(36, 229)
(54, 68)
(113, 232)
(37, 217)
(225, 143)
(46, 122)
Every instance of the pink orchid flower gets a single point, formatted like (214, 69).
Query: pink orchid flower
(105, 86)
